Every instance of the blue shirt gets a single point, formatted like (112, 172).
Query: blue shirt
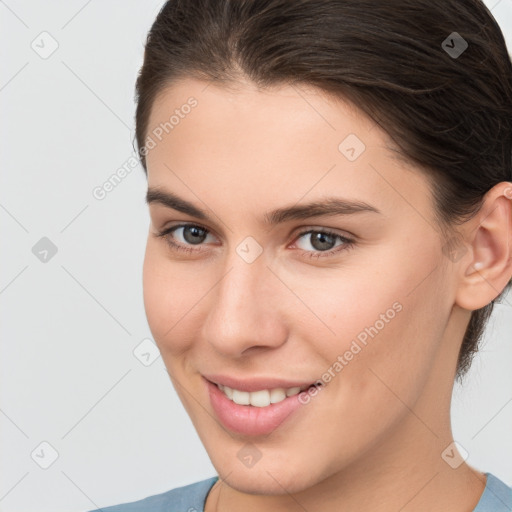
(497, 497)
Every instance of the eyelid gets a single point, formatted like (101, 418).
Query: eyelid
(335, 231)
(295, 233)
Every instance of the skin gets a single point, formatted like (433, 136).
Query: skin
(373, 437)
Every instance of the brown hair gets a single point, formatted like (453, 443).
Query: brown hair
(399, 61)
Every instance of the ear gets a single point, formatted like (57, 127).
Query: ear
(486, 267)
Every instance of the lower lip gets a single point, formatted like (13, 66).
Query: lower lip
(247, 419)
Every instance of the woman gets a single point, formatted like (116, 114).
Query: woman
(329, 185)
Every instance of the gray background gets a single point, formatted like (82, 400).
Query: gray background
(71, 370)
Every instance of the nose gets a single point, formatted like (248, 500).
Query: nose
(247, 309)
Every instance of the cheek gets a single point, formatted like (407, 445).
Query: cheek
(389, 317)
(386, 343)
(397, 337)
(152, 290)
(165, 297)
(175, 298)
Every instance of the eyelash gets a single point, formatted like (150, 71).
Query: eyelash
(347, 242)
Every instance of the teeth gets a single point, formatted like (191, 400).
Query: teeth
(277, 395)
(261, 398)
(241, 397)
(228, 391)
(292, 391)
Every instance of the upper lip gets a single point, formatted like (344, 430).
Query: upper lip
(256, 383)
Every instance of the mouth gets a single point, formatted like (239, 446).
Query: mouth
(257, 412)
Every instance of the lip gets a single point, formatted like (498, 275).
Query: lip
(247, 419)
(257, 383)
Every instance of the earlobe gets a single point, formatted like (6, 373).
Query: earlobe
(488, 269)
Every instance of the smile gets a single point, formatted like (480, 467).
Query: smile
(262, 398)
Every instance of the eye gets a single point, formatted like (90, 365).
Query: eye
(323, 242)
(191, 234)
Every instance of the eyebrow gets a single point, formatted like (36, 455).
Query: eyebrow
(329, 206)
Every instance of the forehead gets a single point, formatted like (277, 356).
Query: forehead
(289, 138)
(295, 108)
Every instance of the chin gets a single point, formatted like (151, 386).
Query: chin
(274, 479)
(266, 484)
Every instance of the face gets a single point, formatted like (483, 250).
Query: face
(358, 299)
